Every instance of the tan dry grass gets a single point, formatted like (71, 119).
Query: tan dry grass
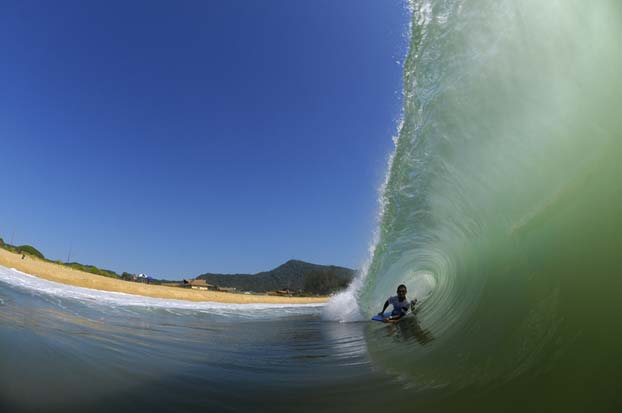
(65, 275)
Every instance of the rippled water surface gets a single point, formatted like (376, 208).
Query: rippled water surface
(82, 355)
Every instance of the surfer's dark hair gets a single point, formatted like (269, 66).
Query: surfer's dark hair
(402, 286)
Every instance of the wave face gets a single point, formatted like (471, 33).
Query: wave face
(502, 210)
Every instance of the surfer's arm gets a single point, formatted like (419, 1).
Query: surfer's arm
(396, 317)
(392, 319)
(384, 307)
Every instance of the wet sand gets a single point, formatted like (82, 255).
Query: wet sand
(65, 275)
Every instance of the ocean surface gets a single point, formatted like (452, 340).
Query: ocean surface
(501, 211)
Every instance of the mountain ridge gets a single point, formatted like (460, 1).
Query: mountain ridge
(293, 275)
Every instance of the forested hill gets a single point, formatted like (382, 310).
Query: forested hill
(293, 275)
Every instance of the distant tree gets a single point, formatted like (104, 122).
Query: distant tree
(126, 276)
(1, 242)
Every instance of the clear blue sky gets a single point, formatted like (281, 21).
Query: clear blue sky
(181, 137)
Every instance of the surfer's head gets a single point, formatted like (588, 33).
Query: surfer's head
(401, 291)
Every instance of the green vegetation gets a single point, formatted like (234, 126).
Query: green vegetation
(324, 282)
(91, 269)
(27, 249)
(7, 247)
(22, 249)
(32, 251)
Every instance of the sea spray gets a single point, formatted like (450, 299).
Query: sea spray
(345, 306)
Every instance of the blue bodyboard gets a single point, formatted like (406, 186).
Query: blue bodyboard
(380, 317)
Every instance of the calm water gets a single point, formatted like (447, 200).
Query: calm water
(501, 211)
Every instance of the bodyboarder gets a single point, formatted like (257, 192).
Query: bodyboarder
(400, 304)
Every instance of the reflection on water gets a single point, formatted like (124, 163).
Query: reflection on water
(409, 329)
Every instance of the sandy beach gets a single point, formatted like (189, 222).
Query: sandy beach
(66, 275)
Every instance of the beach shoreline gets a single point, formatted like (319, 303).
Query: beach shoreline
(66, 275)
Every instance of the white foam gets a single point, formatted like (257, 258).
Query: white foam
(344, 307)
(22, 280)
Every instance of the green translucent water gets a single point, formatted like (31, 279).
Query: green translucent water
(504, 205)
